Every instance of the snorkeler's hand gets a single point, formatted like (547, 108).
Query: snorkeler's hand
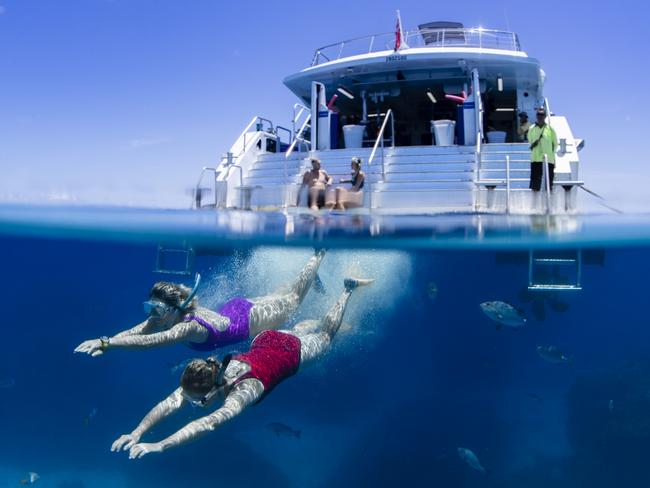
(92, 347)
(125, 442)
(141, 450)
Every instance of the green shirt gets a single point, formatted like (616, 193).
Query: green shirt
(547, 144)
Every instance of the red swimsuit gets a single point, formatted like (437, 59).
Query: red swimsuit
(273, 357)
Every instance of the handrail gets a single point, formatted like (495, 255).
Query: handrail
(244, 132)
(478, 156)
(257, 119)
(380, 138)
(278, 128)
(197, 190)
(299, 137)
(295, 116)
(507, 183)
(547, 184)
(426, 37)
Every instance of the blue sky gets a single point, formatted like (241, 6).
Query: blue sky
(124, 100)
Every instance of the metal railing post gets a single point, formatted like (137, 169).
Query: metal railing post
(547, 184)
(382, 158)
(508, 183)
(478, 156)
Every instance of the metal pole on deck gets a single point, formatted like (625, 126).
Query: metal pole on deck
(508, 183)
(547, 184)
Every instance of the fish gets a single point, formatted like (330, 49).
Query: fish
(610, 406)
(179, 366)
(30, 479)
(553, 355)
(504, 314)
(432, 290)
(280, 429)
(471, 459)
(7, 383)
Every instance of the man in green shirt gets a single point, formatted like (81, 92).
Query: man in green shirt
(543, 142)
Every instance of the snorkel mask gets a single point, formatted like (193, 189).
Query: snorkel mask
(158, 309)
(219, 384)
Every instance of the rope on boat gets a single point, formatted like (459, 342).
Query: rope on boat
(601, 199)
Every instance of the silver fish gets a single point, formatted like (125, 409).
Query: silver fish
(7, 383)
(611, 406)
(30, 479)
(471, 459)
(553, 355)
(280, 429)
(504, 314)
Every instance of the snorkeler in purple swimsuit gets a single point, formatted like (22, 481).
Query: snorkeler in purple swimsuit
(175, 317)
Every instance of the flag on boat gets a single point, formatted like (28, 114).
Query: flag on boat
(399, 34)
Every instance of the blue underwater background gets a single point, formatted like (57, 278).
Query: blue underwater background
(419, 372)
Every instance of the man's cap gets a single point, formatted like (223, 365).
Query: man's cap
(523, 114)
(541, 111)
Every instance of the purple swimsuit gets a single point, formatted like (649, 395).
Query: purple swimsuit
(237, 310)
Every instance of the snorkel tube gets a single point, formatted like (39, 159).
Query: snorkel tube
(195, 288)
(219, 381)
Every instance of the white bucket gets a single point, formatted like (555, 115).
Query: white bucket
(443, 132)
(353, 135)
(496, 136)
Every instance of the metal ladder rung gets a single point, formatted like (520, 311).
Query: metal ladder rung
(552, 261)
(549, 287)
(165, 252)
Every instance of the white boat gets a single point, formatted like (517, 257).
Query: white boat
(404, 103)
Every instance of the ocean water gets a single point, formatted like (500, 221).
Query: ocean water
(417, 371)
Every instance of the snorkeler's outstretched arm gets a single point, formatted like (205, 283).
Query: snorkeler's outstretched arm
(243, 395)
(185, 331)
(164, 409)
(94, 347)
(141, 328)
(181, 332)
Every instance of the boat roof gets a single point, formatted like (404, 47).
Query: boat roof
(432, 51)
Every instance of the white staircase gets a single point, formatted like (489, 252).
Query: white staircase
(416, 179)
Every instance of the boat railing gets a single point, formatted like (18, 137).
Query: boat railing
(380, 141)
(298, 138)
(198, 190)
(425, 37)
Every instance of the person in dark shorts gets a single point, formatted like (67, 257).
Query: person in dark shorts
(316, 180)
(543, 142)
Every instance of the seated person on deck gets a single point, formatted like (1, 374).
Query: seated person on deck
(316, 180)
(341, 198)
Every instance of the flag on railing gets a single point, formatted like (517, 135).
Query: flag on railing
(399, 34)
